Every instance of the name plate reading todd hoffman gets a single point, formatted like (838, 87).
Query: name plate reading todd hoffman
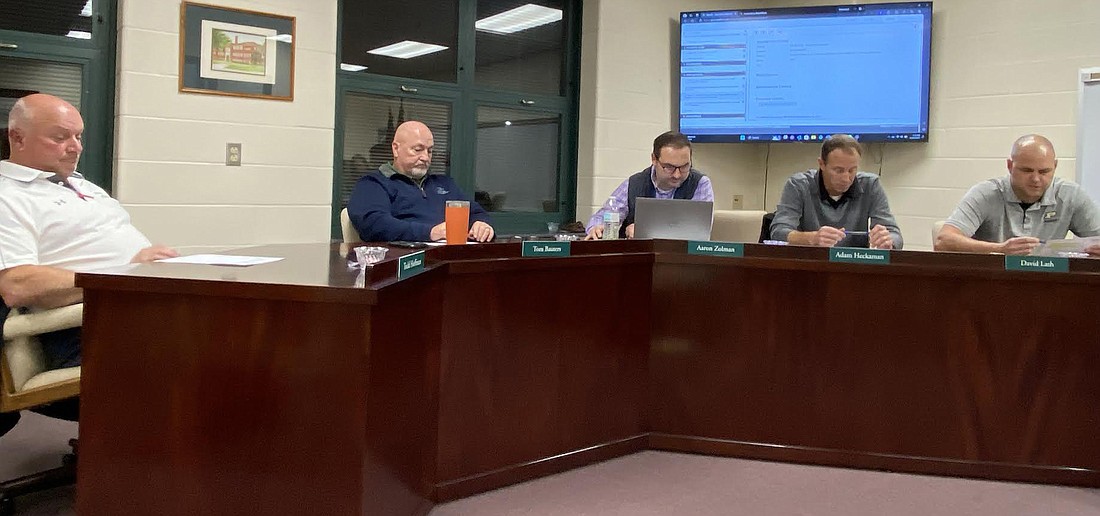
(546, 248)
(1036, 264)
(728, 249)
(859, 255)
(410, 265)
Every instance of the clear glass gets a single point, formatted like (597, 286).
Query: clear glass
(518, 160)
(372, 26)
(369, 124)
(457, 219)
(527, 59)
(71, 18)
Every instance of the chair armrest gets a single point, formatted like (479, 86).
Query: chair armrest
(25, 325)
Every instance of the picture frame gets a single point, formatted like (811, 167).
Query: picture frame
(236, 52)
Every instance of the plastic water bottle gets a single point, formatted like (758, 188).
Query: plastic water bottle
(611, 219)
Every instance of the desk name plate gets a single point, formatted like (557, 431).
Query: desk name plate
(410, 265)
(1036, 264)
(859, 255)
(728, 249)
(546, 248)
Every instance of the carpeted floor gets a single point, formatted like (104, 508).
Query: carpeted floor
(658, 483)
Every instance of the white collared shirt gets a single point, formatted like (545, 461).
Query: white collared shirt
(45, 223)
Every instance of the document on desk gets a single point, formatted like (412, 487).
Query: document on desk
(1069, 247)
(222, 259)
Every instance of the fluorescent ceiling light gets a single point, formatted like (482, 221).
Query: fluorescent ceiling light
(79, 34)
(87, 10)
(285, 38)
(521, 18)
(407, 49)
(352, 67)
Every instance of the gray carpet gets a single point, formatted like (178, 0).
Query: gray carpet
(658, 483)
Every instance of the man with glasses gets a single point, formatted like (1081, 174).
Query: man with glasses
(836, 203)
(669, 176)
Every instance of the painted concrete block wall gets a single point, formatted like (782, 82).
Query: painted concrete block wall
(1000, 69)
(170, 170)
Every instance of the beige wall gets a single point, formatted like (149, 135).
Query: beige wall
(1000, 69)
(170, 168)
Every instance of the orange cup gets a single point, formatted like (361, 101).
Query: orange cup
(457, 217)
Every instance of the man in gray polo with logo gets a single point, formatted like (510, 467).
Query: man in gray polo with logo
(1015, 213)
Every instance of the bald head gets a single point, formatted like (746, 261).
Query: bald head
(1031, 167)
(412, 149)
(1032, 143)
(45, 134)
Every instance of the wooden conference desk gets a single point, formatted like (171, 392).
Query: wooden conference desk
(285, 389)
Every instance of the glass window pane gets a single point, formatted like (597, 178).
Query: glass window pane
(431, 27)
(369, 123)
(517, 160)
(519, 45)
(71, 18)
(21, 77)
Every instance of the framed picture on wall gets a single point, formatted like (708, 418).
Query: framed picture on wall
(226, 51)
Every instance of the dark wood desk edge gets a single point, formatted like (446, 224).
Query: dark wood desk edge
(875, 461)
(235, 289)
(510, 475)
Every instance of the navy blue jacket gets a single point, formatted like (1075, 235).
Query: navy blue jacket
(384, 209)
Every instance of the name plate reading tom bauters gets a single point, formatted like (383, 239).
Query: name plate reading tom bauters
(1036, 264)
(546, 248)
(730, 249)
(410, 265)
(859, 255)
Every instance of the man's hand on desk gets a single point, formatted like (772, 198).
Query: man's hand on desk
(439, 232)
(1093, 250)
(629, 231)
(481, 231)
(595, 233)
(156, 252)
(1019, 245)
(827, 236)
(879, 238)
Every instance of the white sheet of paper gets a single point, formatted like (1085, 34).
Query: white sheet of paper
(1074, 247)
(221, 259)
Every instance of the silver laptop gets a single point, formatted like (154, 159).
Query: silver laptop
(674, 219)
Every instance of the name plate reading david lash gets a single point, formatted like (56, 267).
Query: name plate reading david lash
(410, 265)
(538, 248)
(732, 250)
(1036, 264)
(859, 255)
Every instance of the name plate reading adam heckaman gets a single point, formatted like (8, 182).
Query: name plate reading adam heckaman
(859, 255)
(1036, 264)
(729, 249)
(410, 265)
(539, 248)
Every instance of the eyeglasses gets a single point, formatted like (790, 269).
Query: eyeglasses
(671, 169)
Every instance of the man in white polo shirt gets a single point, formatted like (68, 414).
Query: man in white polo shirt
(53, 222)
(1013, 214)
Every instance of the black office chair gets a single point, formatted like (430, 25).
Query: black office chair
(766, 226)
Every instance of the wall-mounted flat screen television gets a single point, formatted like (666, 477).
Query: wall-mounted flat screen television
(798, 74)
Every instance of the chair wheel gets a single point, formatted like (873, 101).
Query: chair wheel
(7, 507)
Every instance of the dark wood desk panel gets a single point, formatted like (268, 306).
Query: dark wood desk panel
(288, 389)
(980, 373)
(539, 360)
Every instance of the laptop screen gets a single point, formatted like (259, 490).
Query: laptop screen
(674, 219)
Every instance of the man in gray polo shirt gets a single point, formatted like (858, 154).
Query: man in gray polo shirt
(1013, 214)
(836, 202)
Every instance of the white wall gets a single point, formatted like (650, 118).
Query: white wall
(170, 170)
(1000, 69)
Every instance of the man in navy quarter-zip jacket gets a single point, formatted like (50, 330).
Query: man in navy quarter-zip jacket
(402, 201)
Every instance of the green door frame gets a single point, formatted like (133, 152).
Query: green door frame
(465, 98)
(96, 57)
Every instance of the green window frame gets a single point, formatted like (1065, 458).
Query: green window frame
(96, 57)
(465, 97)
